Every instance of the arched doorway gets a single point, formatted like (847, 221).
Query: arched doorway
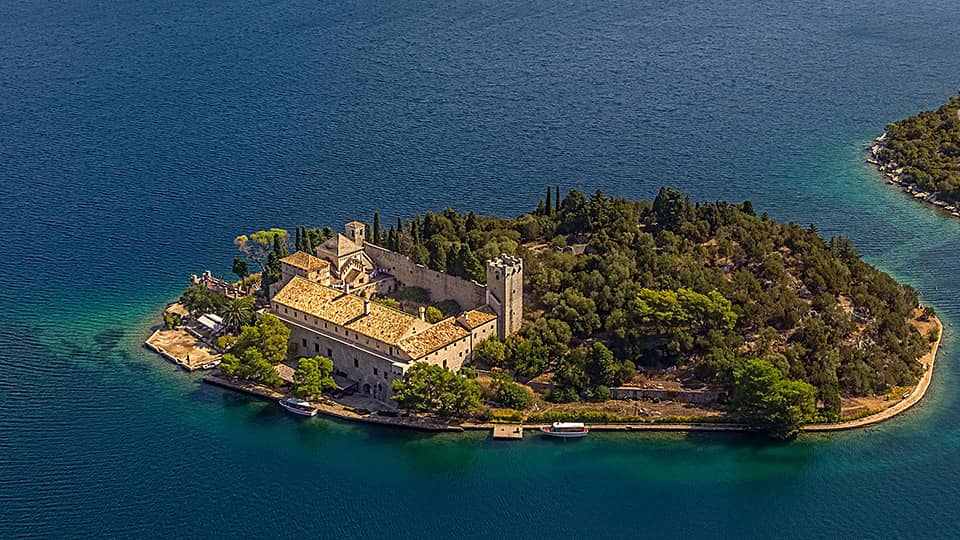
(367, 389)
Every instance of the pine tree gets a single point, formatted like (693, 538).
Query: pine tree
(377, 229)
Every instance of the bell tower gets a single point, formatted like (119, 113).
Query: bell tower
(505, 293)
(355, 231)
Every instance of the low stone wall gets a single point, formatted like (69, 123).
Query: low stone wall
(698, 397)
(441, 286)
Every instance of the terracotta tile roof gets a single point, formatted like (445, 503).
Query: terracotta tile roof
(476, 317)
(383, 323)
(437, 336)
(340, 245)
(305, 261)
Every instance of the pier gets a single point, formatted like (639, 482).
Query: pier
(508, 432)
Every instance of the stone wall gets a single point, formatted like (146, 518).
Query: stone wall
(699, 397)
(468, 294)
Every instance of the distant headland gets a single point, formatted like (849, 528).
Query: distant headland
(921, 154)
(664, 314)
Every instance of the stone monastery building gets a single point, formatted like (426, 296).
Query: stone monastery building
(325, 300)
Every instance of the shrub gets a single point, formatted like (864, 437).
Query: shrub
(513, 395)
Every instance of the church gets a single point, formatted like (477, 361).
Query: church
(325, 300)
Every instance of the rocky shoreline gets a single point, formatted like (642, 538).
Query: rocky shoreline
(894, 174)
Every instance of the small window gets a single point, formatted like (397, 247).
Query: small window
(375, 371)
(316, 347)
(385, 375)
(356, 363)
(330, 353)
(304, 340)
(444, 363)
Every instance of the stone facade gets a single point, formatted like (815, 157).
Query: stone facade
(325, 302)
(505, 293)
(407, 273)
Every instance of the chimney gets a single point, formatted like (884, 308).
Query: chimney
(423, 313)
(366, 307)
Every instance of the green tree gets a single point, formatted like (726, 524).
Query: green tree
(199, 300)
(433, 315)
(313, 376)
(431, 388)
(670, 208)
(529, 360)
(257, 246)
(602, 367)
(240, 268)
(377, 229)
(238, 312)
(513, 395)
(762, 397)
(491, 352)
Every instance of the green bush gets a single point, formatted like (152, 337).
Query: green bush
(513, 395)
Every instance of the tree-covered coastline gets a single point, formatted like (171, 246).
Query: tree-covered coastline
(781, 320)
(924, 150)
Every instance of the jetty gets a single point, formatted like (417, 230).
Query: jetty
(182, 348)
(510, 432)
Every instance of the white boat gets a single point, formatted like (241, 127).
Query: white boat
(566, 430)
(298, 406)
(210, 365)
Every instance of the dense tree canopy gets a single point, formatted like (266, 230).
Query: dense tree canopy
(611, 284)
(431, 388)
(259, 348)
(927, 146)
(762, 397)
(313, 376)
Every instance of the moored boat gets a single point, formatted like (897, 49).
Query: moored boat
(210, 365)
(566, 430)
(298, 406)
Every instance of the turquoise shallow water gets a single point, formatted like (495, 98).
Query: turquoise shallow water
(137, 138)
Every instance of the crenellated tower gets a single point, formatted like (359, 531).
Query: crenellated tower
(505, 293)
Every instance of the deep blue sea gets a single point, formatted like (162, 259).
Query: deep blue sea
(137, 138)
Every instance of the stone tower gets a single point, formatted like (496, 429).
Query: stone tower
(505, 293)
(355, 231)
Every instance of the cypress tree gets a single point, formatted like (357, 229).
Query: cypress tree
(299, 242)
(438, 257)
(377, 229)
(307, 242)
(415, 231)
(549, 204)
(472, 269)
(391, 240)
(557, 199)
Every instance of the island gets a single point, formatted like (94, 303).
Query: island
(921, 155)
(663, 314)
